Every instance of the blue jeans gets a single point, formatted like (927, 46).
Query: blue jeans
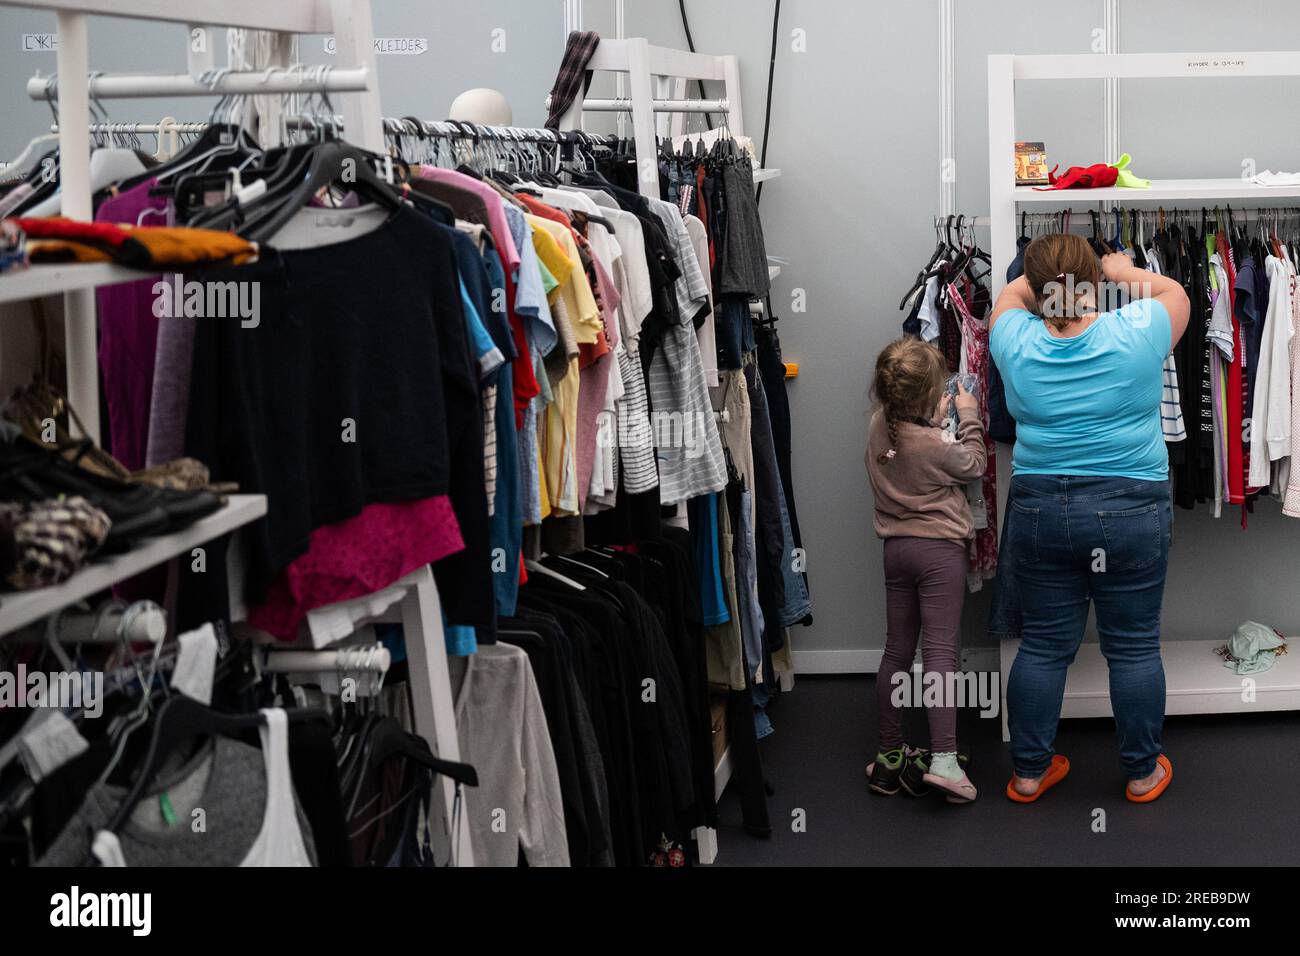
(1078, 539)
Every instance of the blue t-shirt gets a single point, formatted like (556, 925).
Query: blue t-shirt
(1088, 404)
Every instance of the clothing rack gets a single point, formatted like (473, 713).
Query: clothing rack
(151, 128)
(623, 104)
(166, 127)
(373, 658)
(414, 599)
(1080, 218)
(222, 82)
(142, 623)
(657, 78)
(1196, 681)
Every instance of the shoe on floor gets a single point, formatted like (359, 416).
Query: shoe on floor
(1056, 772)
(1159, 788)
(918, 765)
(884, 772)
(956, 791)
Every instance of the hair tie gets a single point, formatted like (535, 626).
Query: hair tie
(1060, 277)
(890, 453)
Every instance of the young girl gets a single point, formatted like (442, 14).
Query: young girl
(917, 473)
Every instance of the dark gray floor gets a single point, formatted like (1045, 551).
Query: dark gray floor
(1232, 801)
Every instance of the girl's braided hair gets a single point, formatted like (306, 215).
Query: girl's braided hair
(909, 381)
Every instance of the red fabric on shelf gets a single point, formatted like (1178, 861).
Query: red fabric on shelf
(1097, 176)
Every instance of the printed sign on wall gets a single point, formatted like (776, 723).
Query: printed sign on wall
(390, 46)
(40, 42)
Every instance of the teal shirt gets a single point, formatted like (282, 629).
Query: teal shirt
(1088, 404)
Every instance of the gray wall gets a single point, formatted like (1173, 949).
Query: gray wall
(855, 127)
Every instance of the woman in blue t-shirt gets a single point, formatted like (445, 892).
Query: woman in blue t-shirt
(1088, 515)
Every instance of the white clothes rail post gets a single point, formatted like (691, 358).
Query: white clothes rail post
(1195, 678)
(656, 78)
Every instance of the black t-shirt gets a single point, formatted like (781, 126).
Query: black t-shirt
(352, 388)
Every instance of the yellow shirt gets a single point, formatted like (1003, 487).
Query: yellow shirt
(574, 288)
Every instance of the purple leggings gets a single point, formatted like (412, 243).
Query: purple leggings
(925, 581)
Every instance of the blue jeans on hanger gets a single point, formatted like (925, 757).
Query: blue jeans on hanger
(1078, 539)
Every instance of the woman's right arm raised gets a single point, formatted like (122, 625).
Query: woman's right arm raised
(1141, 284)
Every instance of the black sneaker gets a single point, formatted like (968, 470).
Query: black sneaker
(918, 765)
(883, 772)
(29, 472)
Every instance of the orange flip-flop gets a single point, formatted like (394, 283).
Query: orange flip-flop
(1159, 788)
(1055, 774)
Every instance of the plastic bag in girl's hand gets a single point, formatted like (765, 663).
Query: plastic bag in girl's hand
(972, 385)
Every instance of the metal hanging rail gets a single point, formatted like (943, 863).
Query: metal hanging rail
(218, 83)
(623, 104)
(150, 128)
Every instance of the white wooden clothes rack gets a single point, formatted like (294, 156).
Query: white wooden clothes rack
(1196, 680)
(656, 78)
(414, 600)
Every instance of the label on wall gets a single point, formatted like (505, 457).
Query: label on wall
(1217, 63)
(390, 46)
(40, 42)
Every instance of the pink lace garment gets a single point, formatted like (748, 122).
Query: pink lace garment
(975, 338)
(358, 556)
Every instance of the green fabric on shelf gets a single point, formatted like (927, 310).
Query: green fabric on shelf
(1252, 648)
(1125, 178)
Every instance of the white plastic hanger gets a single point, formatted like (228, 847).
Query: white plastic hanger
(7, 170)
(541, 569)
(580, 564)
(108, 165)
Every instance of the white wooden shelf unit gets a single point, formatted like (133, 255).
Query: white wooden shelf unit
(1196, 680)
(350, 22)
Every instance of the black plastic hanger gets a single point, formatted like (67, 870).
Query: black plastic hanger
(940, 247)
(388, 739)
(326, 167)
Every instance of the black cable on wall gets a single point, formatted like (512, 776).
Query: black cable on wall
(771, 74)
(767, 109)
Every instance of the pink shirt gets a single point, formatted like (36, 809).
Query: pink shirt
(501, 235)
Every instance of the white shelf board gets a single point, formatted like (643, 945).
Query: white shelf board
(20, 608)
(51, 279)
(1201, 191)
(1196, 682)
(763, 175)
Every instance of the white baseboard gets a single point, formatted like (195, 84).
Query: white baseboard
(868, 661)
(981, 659)
(837, 662)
